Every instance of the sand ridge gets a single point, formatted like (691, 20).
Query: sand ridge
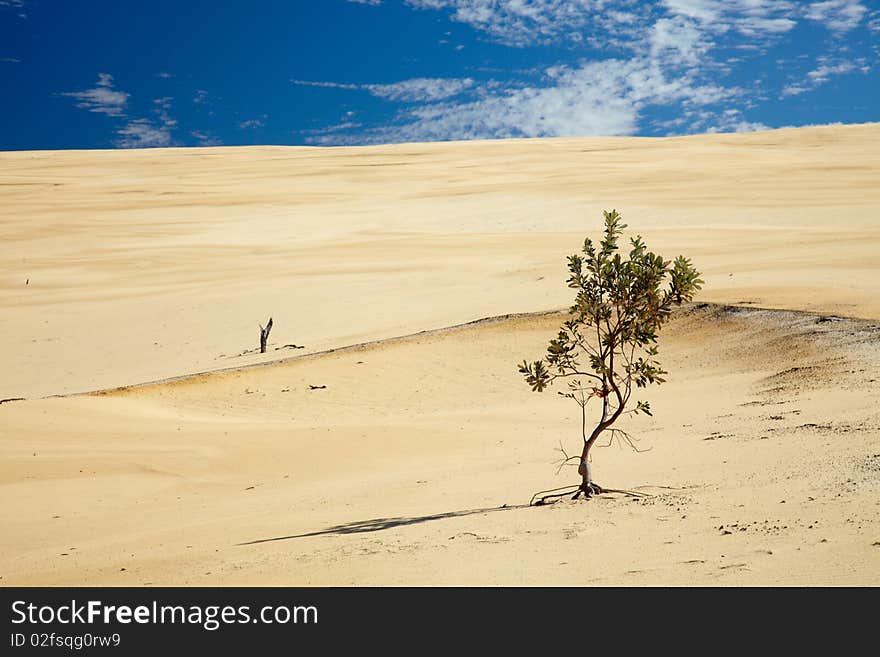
(762, 467)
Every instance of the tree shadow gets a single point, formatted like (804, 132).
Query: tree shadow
(381, 524)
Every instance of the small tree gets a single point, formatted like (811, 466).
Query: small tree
(609, 345)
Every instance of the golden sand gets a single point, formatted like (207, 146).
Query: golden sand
(125, 267)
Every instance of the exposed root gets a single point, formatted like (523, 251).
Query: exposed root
(553, 495)
(588, 490)
(628, 493)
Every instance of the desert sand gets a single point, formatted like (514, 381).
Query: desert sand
(399, 445)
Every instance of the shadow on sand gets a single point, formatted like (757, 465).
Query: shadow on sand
(381, 524)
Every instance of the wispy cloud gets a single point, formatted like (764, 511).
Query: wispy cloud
(420, 89)
(149, 133)
(732, 120)
(412, 90)
(325, 85)
(252, 124)
(205, 138)
(622, 67)
(827, 68)
(102, 98)
(599, 98)
(520, 23)
(670, 56)
(10, 60)
(666, 66)
(837, 15)
(14, 5)
(610, 23)
(137, 131)
(143, 133)
(748, 17)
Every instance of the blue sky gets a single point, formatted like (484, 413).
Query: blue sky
(128, 74)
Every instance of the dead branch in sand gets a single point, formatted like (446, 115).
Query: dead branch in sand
(264, 335)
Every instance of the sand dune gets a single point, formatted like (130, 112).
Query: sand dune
(149, 264)
(411, 460)
(762, 468)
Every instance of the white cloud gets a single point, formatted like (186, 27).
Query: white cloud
(749, 17)
(668, 63)
(671, 55)
(10, 60)
(205, 139)
(597, 98)
(678, 40)
(793, 90)
(323, 134)
(837, 15)
(827, 68)
(420, 89)
(583, 101)
(15, 4)
(701, 10)
(524, 22)
(412, 90)
(102, 98)
(149, 133)
(251, 124)
(325, 85)
(138, 132)
(610, 23)
(732, 120)
(143, 133)
(742, 126)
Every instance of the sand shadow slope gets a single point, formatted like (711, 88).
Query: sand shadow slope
(381, 524)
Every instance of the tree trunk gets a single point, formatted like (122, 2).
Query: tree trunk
(264, 336)
(588, 486)
(586, 472)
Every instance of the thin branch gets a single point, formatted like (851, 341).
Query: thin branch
(566, 458)
(573, 373)
(630, 440)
